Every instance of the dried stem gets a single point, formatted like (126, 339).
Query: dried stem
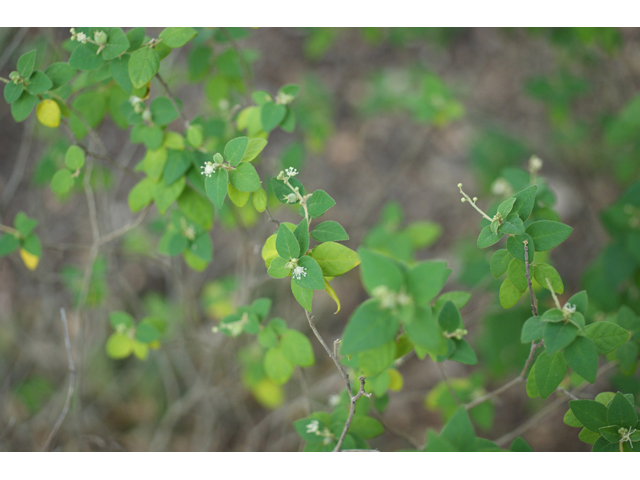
(72, 382)
(345, 376)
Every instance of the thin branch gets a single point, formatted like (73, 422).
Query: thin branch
(352, 412)
(345, 376)
(535, 420)
(271, 219)
(508, 385)
(19, 165)
(72, 381)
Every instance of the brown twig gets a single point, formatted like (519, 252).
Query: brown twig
(72, 382)
(345, 376)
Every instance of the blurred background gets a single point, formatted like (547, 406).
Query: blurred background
(389, 121)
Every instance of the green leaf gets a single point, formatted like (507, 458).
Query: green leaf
(85, 57)
(162, 111)
(459, 299)
(458, 431)
(286, 244)
(532, 387)
(378, 269)
(516, 273)
(176, 37)
(581, 301)
(487, 237)
(150, 136)
(117, 43)
(216, 186)
(271, 115)
(297, 348)
(277, 268)
(26, 64)
(516, 248)
(525, 201)
(176, 244)
(259, 199)
(60, 73)
(366, 427)
(119, 346)
(607, 336)
(245, 178)
(581, 355)
(464, 353)
(143, 66)
(116, 319)
(235, 149)
(304, 296)
(39, 83)
(449, 317)
(532, 330)
(301, 233)
(591, 414)
(146, 332)
(318, 203)
(178, 162)
(504, 209)
(24, 224)
(277, 367)
(32, 245)
(62, 181)
(611, 433)
(542, 271)
(512, 225)
(8, 244)
(281, 190)
(135, 37)
(329, 231)
(424, 330)
(12, 92)
(238, 198)
(202, 247)
(119, 70)
(426, 279)
(166, 195)
(335, 259)
(378, 359)
(558, 335)
(196, 207)
(254, 147)
(509, 294)
(368, 327)
(602, 445)
(141, 194)
(520, 445)
(553, 315)
(74, 158)
(550, 371)
(21, 108)
(313, 279)
(499, 262)
(547, 234)
(621, 412)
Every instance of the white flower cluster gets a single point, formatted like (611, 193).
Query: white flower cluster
(299, 272)
(79, 36)
(208, 168)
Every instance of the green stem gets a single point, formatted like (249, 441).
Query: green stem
(5, 80)
(10, 230)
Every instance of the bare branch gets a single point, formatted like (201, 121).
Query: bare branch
(72, 382)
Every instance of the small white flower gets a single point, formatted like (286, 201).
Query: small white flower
(299, 272)
(207, 169)
(81, 37)
(535, 163)
(291, 172)
(133, 100)
(334, 400)
(312, 427)
(569, 308)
